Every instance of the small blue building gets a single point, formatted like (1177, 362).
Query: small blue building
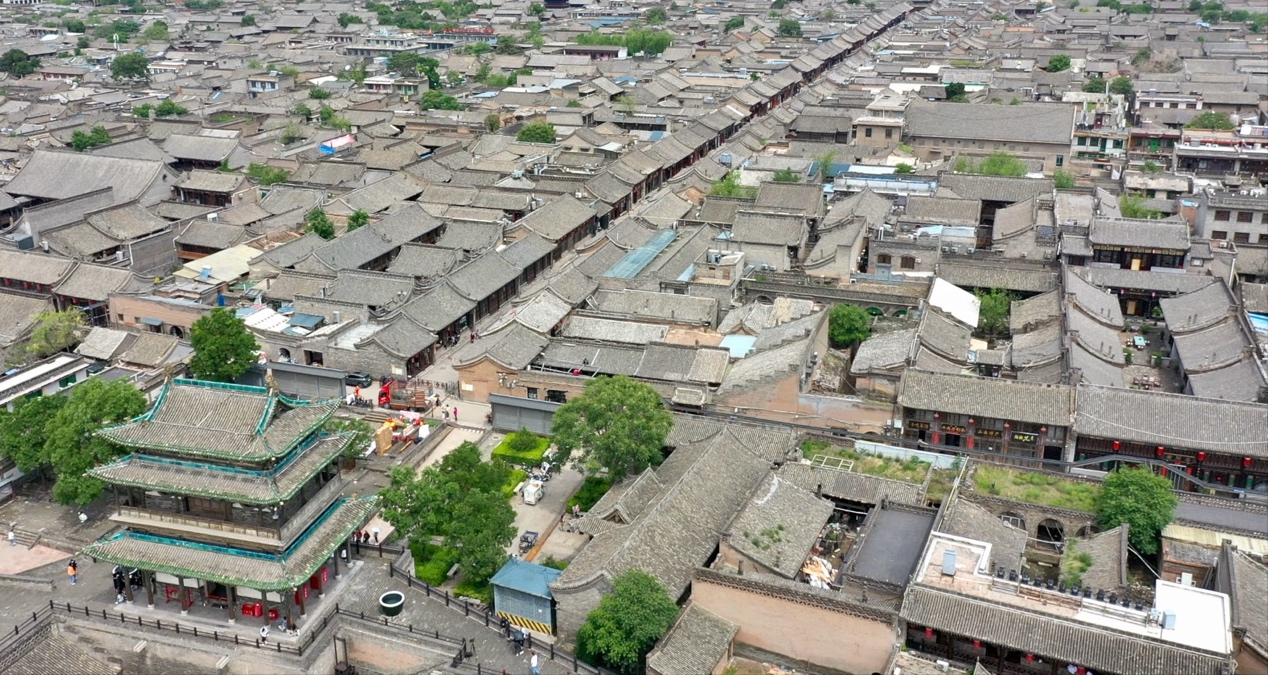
(521, 595)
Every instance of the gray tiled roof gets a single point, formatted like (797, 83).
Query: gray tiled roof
(1199, 309)
(1249, 597)
(945, 336)
(1108, 551)
(852, 486)
(57, 175)
(35, 268)
(56, 654)
(1026, 123)
(1027, 278)
(1033, 311)
(1173, 420)
(514, 346)
(1239, 380)
(987, 397)
(558, 218)
(525, 252)
(439, 307)
(886, 350)
(779, 525)
(943, 210)
(211, 234)
(1162, 282)
(199, 148)
(94, 282)
(375, 289)
(995, 188)
(1163, 234)
(696, 643)
(404, 338)
(754, 227)
(483, 276)
(471, 236)
(963, 518)
(665, 306)
(103, 343)
(290, 283)
(418, 260)
(1065, 640)
(1095, 302)
(406, 225)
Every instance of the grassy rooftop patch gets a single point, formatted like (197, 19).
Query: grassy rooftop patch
(1036, 488)
(522, 448)
(911, 470)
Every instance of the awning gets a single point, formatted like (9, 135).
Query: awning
(151, 322)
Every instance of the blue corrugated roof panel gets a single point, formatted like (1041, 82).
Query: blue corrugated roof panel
(633, 262)
(526, 577)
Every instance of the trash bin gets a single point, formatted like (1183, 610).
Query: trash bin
(391, 603)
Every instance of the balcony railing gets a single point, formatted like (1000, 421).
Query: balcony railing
(134, 515)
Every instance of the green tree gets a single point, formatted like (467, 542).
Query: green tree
(357, 220)
(1150, 167)
(302, 110)
(1142, 500)
(617, 424)
(248, 21)
(223, 347)
(993, 310)
(17, 63)
(156, 32)
(492, 122)
(537, 9)
(1209, 119)
(539, 132)
(405, 63)
(904, 167)
(267, 175)
(320, 225)
(1059, 63)
(656, 16)
(22, 431)
(729, 186)
(1002, 163)
(170, 108)
(460, 501)
(438, 100)
(626, 104)
(573, 103)
(346, 19)
(827, 163)
(71, 443)
(787, 176)
(132, 66)
(733, 23)
(1094, 85)
(319, 94)
(1133, 206)
(627, 623)
(1121, 86)
(828, 15)
(74, 25)
(81, 141)
(54, 332)
(848, 325)
(789, 28)
(1064, 180)
(955, 92)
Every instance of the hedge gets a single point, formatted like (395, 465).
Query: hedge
(517, 475)
(432, 563)
(506, 451)
(482, 592)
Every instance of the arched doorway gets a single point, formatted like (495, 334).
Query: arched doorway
(1051, 532)
(284, 355)
(177, 332)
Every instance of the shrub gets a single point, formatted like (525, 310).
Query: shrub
(507, 452)
(591, 491)
(523, 441)
(554, 563)
(432, 563)
(468, 589)
(517, 475)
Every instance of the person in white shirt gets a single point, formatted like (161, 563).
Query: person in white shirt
(535, 664)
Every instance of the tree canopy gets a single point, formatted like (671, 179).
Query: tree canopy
(993, 312)
(787, 176)
(22, 431)
(223, 347)
(1133, 206)
(656, 16)
(617, 424)
(639, 40)
(733, 23)
(627, 623)
(848, 325)
(1059, 63)
(53, 332)
(1121, 86)
(789, 28)
(460, 501)
(267, 175)
(998, 163)
(361, 431)
(71, 445)
(132, 66)
(81, 141)
(1209, 119)
(357, 220)
(319, 224)
(1141, 499)
(438, 100)
(537, 133)
(729, 186)
(18, 63)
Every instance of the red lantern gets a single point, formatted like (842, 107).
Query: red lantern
(258, 609)
(937, 416)
(1246, 462)
(977, 644)
(928, 633)
(1117, 446)
(1201, 456)
(1030, 658)
(273, 614)
(1160, 451)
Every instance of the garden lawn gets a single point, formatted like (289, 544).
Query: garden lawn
(1036, 488)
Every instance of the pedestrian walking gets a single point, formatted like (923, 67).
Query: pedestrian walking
(264, 635)
(13, 537)
(445, 412)
(72, 571)
(535, 664)
(455, 414)
(576, 510)
(375, 533)
(519, 641)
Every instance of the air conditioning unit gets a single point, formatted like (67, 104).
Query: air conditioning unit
(213, 217)
(1223, 244)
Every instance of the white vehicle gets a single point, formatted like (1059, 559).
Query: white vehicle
(533, 491)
